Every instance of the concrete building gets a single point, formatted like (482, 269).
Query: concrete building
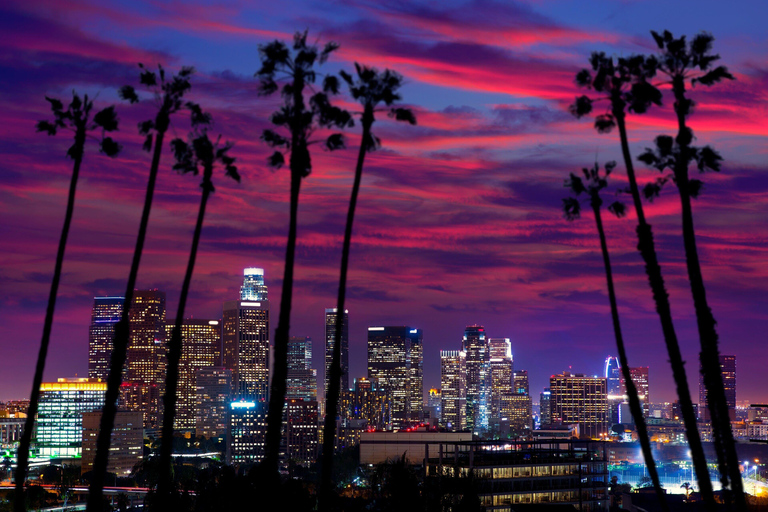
(639, 376)
(417, 445)
(246, 435)
(213, 395)
(453, 382)
(581, 399)
(126, 447)
(501, 381)
(301, 431)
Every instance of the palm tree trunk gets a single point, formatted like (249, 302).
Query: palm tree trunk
(661, 299)
(26, 439)
(634, 401)
(165, 485)
(334, 380)
(728, 460)
(122, 334)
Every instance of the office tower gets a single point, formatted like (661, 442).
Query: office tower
(519, 413)
(59, 430)
(367, 403)
(580, 399)
(146, 358)
(478, 357)
(105, 314)
(301, 431)
(247, 432)
(545, 413)
(501, 377)
(330, 337)
(301, 382)
(615, 386)
(200, 348)
(395, 364)
(245, 347)
(728, 370)
(126, 448)
(434, 399)
(453, 382)
(213, 394)
(639, 376)
(521, 382)
(142, 398)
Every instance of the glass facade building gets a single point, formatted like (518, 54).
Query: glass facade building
(330, 337)
(105, 314)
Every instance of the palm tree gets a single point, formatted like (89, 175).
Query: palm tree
(625, 85)
(199, 156)
(76, 117)
(595, 182)
(681, 62)
(296, 69)
(370, 89)
(168, 94)
(687, 487)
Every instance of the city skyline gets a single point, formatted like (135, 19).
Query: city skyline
(459, 218)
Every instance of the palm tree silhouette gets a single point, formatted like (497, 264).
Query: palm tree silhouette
(295, 68)
(371, 89)
(595, 182)
(198, 156)
(77, 118)
(692, 62)
(625, 85)
(168, 94)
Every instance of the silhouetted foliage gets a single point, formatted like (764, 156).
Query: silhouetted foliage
(371, 89)
(295, 69)
(76, 118)
(168, 95)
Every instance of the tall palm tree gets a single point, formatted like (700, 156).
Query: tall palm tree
(295, 68)
(595, 182)
(198, 156)
(76, 117)
(370, 89)
(681, 62)
(625, 86)
(168, 95)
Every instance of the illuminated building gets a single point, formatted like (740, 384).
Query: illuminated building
(728, 370)
(330, 337)
(432, 411)
(201, 348)
(545, 412)
(521, 382)
(453, 382)
(105, 314)
(478, 357)
(126, 448)
(213, 395)
(501, 379)
(60, 415)
(146, 359)
(142, 398)
(580, 399)
(519, 413)
(395, 364)
(247, 432)
(301, 431)
(413, 445)
(301, 382)
(246, 339)
(548, 473)
(363, 407)
(615, 387)
(639, 376)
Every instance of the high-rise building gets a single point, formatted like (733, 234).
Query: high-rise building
(519, 413)
(545, 412)
(363, 407)
(478, 357)
(453, 382)
(142, 398)
(213, 395)
(501, 379)
(246, 339)
(146, 357)
(201, 348)
(330, 337)
(615, 386)
(246, 435)
(105, 314)
(728, 370)
(59, 430)
(301, 382)
(395, 364)
(126, 448)
(521, 382)
(639, 376)
(434, 401)
(301, 431)
(580, 399)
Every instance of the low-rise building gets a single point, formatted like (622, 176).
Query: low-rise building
(416, 444)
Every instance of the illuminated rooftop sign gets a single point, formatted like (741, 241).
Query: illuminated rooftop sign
(250, 304)
(375, 328)
(253, 271)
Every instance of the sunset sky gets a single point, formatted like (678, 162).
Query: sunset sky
(459, 220)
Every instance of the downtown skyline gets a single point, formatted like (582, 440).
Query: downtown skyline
(459, 220)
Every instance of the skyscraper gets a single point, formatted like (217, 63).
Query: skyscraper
(545, 412)
(615, 386)
(501, 378)
(478, 357)
(301, 382)
(201, 348)
(105, 314)
(577, 398)
(246, 338)
(213, 395)
(146, 357)
(330, 336)
(521, 382)
(728, 370)
(639, 376)
(453, 382)
(395, 363)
